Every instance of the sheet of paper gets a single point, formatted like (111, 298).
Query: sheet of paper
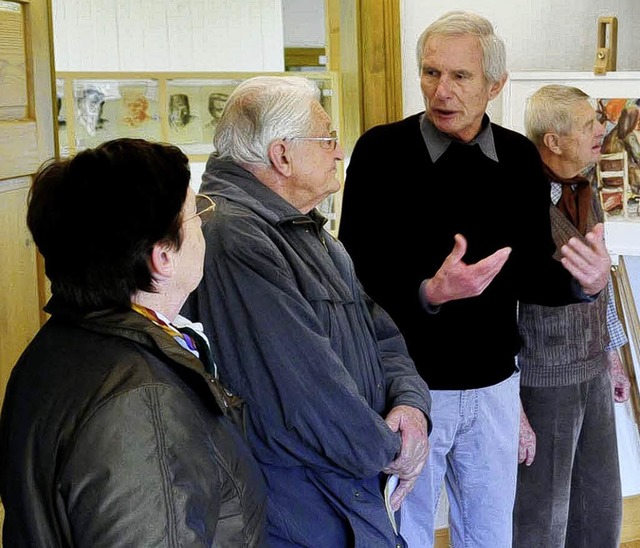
(389, 488)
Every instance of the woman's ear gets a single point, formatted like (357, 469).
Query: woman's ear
(280, 157)
(161, 262)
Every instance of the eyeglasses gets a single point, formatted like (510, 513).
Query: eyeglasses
(330, 143)
(205, 207)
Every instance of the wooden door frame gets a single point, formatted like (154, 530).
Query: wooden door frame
(364, 47)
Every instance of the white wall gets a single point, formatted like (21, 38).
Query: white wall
(168, 35)
(539, 35)
(304, 23)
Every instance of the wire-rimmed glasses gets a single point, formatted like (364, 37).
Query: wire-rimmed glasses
(330, 143)
(205, 207)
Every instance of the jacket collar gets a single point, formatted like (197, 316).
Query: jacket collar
(226, 179)
(127, 324)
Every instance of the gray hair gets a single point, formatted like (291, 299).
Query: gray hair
(458, 23)
(261, 110)
(550, 109)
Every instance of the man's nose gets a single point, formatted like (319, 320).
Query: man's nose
(443, 89)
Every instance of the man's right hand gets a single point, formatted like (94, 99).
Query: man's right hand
(589, 261)
(527, 440)
(457, 280)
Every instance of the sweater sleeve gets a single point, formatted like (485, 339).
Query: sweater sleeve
(542, 279)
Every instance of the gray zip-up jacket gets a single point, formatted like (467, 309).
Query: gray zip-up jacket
(318, 363)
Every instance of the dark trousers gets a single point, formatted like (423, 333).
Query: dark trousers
(570, 495)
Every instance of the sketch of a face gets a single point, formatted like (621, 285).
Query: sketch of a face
(216, 105)
(137, 107)
(90, 105)
(179, 113)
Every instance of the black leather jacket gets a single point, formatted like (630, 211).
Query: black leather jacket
(110, 436)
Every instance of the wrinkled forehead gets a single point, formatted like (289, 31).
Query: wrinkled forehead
(453, 53)
(583, 112)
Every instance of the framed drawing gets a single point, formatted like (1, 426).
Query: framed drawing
(201, 102)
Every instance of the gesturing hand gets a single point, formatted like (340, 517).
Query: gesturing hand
(589, 263)
(457, 280)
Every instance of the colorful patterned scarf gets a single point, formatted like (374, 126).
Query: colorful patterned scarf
(183, 339)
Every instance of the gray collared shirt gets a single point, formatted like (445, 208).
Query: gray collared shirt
(437, 142)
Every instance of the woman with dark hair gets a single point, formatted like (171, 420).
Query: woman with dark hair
(112, 431)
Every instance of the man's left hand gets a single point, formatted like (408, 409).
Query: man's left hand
(619, 380)
(589, 263)
(412, 425)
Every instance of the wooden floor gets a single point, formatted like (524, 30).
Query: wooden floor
(630, 526)
(442, 540)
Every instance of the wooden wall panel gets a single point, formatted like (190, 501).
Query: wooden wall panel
(19, 315)
(18, 148)
(13, 79)
(26, 139)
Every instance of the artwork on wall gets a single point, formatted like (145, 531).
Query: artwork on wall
(618, 169)
(106, 109)
(179, 108)
(61, 118)
(194, 108)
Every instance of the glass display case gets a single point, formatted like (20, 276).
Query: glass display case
(178, 108)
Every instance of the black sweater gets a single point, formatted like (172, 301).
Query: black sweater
(400, 213)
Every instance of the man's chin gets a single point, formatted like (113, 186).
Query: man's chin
(444, 123)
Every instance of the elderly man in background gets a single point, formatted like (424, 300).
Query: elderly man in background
(334, 402)
(568, 492)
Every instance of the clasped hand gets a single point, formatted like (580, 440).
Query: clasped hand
(412, 425)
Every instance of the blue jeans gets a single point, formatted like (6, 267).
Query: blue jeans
(474, 449)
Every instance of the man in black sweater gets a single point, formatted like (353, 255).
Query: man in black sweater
(474, 197)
